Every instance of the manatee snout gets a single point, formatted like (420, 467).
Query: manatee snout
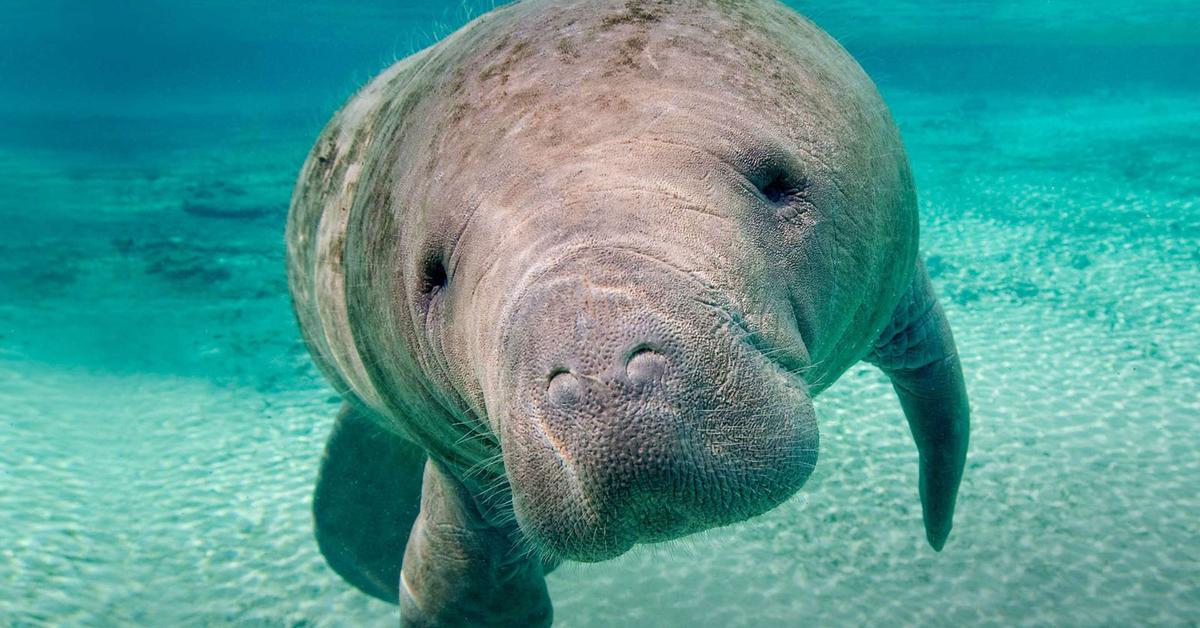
(637, 410)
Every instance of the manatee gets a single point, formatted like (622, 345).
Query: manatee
(578, 271)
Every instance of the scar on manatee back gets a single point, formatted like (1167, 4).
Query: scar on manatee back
(328, 152)
(627, 54)
(519, 52)
(567, 49)
(635, 13)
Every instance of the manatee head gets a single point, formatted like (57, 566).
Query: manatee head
(636, 261)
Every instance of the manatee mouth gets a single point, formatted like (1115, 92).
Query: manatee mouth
(653, 469)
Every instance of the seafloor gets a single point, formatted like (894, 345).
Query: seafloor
(161, 423)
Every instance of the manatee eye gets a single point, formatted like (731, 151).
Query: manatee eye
(787, 192)
(776, 189)
(433, 287)
(434, 275)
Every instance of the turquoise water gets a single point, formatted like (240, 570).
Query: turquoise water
(161, 422)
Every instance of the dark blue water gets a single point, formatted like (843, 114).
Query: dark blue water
(161, 423)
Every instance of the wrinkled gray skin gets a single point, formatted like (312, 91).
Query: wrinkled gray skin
(579, 270)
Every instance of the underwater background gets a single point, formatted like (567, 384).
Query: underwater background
(161, 422)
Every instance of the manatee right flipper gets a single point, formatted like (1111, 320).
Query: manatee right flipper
(917, 352)
(368, 495)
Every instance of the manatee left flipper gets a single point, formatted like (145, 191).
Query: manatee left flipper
(917, 352)
(462, 570)
(368, 494)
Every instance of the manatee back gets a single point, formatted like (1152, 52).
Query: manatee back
(316, 233)
(344, 255)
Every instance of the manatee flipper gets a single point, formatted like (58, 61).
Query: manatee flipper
(368, 495)
(916, 350)
(459, 570)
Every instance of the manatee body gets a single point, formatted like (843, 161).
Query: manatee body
(578, 271)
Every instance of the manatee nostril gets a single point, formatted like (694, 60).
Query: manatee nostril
(645, 366)
(564, 389)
